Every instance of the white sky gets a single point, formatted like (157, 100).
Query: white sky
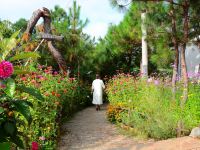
(99, 12)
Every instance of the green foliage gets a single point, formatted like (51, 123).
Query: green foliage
(25, 55)
(148, 106)
(121, 47)
(5, 29)
(60, 96)
(10, 87)
(5, 146)
(20, 24)
(10, 106)
(23, 108)
(6, 46)
(30, 91)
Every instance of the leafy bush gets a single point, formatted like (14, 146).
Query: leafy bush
(12, 106)
(62, 96)
(149, 108)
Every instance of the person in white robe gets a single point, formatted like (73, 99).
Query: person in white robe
(97, 90)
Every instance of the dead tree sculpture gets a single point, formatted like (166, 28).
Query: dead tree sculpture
(46, 35)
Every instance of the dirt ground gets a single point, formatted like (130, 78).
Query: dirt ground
(89, 130)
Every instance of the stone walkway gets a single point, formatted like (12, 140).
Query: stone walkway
(89, 130)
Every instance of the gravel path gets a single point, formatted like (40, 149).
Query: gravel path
(89, 130)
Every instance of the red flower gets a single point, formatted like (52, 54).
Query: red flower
(6, 69)
(34, 146)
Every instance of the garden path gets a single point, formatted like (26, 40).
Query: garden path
(89, 130)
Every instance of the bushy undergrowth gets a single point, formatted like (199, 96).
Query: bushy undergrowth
(149, 108)
(62, 96)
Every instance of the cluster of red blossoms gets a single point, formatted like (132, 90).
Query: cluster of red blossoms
(6, 69)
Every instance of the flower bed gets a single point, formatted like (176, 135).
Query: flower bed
(62, 96)
(149, 108)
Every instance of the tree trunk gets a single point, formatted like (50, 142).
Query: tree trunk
(55, 53)
(57, 56)
(175, 42)
(144, 67)
(45, 13)
(183, 47)
(184, 76)
(183, 64)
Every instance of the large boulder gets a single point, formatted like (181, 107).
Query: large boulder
(195, 133)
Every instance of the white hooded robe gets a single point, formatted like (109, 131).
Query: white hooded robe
(97, 87)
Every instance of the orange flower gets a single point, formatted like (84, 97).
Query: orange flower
(46, 94)
(33, 81)
(65, 90)
(57, 103)
(58, 95)
(53, 93)
(10, 113)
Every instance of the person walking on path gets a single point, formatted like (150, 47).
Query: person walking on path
(97, 90)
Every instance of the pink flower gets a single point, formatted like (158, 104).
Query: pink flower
(173, 65)
(34, 146)
(42, 138)
(23, 78)
(55, 73)
(156, 82)
(6, 69)
(72, 79)
(149, 80)
(40, 66)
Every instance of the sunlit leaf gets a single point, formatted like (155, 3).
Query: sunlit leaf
(1, 110)
(21, 70)
(24, 55)
(10, 87)
(7, 45)
(30, 91)
(14, 35)
(22, 107)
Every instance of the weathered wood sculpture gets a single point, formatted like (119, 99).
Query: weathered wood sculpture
(46, 35)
